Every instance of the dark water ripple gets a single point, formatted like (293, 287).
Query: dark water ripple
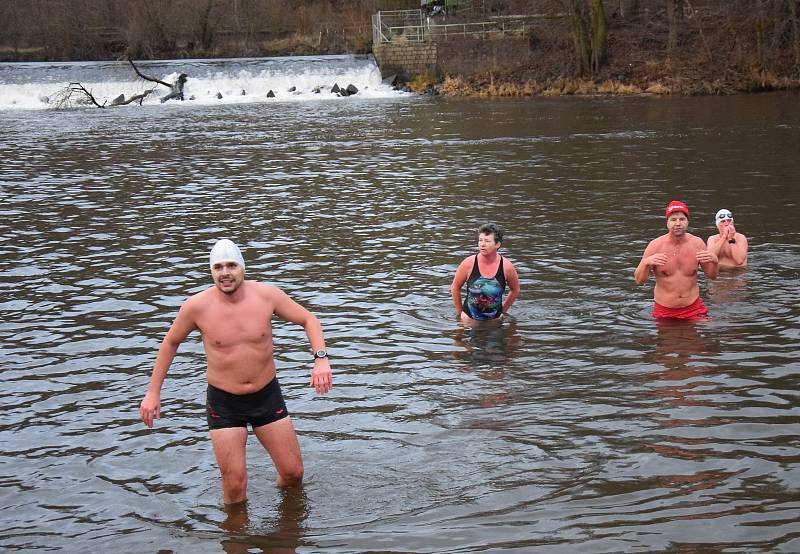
(577, 425)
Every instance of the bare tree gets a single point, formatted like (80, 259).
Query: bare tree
(795, 35)
(205, 26)
(588, 25)
(672, 21)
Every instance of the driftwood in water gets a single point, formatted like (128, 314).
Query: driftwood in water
(75, 94)
(71, 95)
(176, 88)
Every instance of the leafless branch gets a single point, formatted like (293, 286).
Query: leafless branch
(147, 77)
(73, 95)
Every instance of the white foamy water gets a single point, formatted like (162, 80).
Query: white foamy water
(35, 86)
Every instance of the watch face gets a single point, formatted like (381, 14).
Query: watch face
(320, 354)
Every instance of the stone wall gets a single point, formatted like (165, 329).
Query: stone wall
(470, 57)
(463, 56)
(406, 59)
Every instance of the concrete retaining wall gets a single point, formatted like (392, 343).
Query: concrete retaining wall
(406, 59)
(463, 56)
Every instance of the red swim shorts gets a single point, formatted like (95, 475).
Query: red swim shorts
(696, 311)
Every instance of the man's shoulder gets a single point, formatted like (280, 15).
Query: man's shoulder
(658, 241)
(263, 289)
(694, 240)
(196, 303)
(200, 297)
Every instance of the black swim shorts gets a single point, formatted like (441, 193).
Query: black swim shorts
(224, 409)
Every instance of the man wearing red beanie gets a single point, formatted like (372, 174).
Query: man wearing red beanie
(673, 258)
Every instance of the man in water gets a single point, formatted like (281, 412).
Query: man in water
(234, 319)
(486, 275)
(673, 259)
(728, 245)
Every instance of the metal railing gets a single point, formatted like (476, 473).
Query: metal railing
(480, 29)
(390, 25)
(410, 26)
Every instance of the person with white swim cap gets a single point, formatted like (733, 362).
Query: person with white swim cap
(234, 318)
(728, 244)
(225, 250)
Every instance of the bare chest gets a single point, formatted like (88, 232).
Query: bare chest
(229, 326)
(681, 260)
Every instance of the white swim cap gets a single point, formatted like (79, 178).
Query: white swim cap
(225, 251)
(722, 215)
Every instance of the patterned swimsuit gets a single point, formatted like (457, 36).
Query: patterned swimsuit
(485, 294)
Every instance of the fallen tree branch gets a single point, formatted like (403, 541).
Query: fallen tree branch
(72, 95)
(75, 94)
(176, 88)
(121, 101)
(147, 77)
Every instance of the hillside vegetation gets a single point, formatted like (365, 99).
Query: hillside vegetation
(588, 46)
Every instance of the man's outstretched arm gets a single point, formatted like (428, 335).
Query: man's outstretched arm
(150, 408)
(288, 309)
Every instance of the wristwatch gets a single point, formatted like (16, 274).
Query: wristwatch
(732, 241)
(320, 354)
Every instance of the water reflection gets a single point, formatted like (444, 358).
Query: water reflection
(283, 534)
(729, 286)
(681, 347)
(487, 344)
(685, 388)
(485, 348)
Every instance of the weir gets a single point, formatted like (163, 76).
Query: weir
(218, 81)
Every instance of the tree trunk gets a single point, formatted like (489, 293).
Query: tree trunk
(633, 9)
(795, 34)
(205, 28)
(597, 17)
(760, 40)
(580, 36)
(672, 20)
(588, 23)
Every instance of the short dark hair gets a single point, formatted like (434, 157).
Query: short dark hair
(492, 229)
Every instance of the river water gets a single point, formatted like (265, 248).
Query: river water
(578, 425)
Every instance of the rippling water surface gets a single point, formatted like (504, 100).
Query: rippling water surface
(577, 425)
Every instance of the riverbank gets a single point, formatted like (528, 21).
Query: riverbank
(712, 57)
(489, 84)
(716, 48)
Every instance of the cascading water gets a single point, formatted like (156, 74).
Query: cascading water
(31, 86)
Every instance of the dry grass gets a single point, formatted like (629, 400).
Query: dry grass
(528, 88)
(658, 88)
(421, 83)
(454, 86)
(764, 80)
(457, 86)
